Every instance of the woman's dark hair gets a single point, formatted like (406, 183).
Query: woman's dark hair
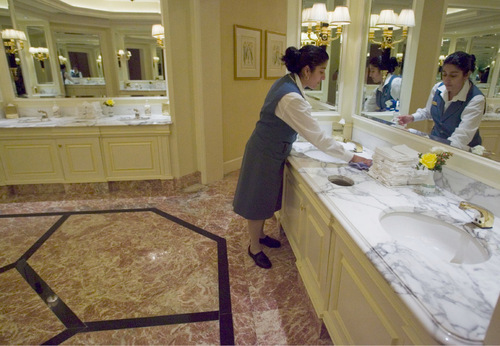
(383, 63)
(465, 62)
(309, 55)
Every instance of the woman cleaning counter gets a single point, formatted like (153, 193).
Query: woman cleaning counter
(453, 302)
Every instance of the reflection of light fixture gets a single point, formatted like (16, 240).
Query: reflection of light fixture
(389, 22)
(441, 60)
(13, 36)
(324, 22)
(158, 32)
(99, 60)
(39, 53)
(122, 55)
(62, 60)
(156, 60)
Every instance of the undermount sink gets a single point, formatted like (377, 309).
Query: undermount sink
(431, 236)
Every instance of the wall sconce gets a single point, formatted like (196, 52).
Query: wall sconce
(324, 23)
(158, 32)
(62, 60)
(13, 36)
(122, 55)
(39, 53)
(390, 22)
(99, 61)
(156, 60)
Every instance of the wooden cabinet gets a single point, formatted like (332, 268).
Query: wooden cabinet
(357, 305)
(141, 154)
(307, 225)
(28, 161)
(81, 159)
(84, 154)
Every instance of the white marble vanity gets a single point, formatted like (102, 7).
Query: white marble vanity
(453, 302)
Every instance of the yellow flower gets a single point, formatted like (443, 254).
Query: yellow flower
(109, 103)
(429, 160)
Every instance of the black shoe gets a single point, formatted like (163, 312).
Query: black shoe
(270, 242)
(260, 259)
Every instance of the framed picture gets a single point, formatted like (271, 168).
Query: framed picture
(247, 53)
(275, 48)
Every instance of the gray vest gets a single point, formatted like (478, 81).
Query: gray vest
(445, 123)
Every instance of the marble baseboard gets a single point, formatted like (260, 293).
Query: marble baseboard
(139, 188)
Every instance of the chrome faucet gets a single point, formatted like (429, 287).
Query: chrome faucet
(485, 218)
(137, 113)
(358, 147)
(44, 114)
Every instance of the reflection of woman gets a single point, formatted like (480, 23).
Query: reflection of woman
(284, 114)
(389, 89)
(67, 79)
(455, 104)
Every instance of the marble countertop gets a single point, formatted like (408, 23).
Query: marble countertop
(68, 121)
(454, 302)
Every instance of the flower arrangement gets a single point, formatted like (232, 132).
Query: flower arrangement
(434, 160)
(109, 103)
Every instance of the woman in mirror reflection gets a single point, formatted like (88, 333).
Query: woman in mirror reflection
(285, 114)
(385, 97)
(455, 104)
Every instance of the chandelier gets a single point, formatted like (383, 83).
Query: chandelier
(389, 22)
(320, 24)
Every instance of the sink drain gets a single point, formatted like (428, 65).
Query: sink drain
(341, 180)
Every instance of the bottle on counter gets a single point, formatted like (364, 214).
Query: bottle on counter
(56, 111)
(147, 109)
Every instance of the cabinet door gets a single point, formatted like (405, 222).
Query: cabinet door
(31, 161)
(363, 308)
(81, 159)
(132, 158)
(313, 265)
(291, 213)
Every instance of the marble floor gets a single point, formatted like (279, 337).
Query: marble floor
(124, 269)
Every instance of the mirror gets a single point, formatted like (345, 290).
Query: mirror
(37, 42)
(81, 69)
(141, 64)
(77, 51)
(474, 29)
(384, 66)
(327, 91)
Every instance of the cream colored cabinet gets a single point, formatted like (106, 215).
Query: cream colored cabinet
(136, 154)
(357, 305)
(290, 216)
(30, 161)
(306, 223)
(81, 159)
(84, 154)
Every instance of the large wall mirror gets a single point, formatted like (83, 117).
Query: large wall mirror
(77, 42)
(384, 65)
(475, 29)
(327, 91)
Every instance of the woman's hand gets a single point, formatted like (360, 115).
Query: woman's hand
(357, 158)
(405, 119)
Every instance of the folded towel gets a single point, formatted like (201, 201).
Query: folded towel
(359, 165)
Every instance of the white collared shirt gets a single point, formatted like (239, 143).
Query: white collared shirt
(294, 110)
(370, 104)
(471, 115)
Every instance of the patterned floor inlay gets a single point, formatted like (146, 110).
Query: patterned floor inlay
(106, 273)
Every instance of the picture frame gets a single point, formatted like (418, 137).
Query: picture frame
(275, 49)
(247, 52)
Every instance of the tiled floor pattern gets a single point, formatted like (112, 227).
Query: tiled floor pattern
(137, 277)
